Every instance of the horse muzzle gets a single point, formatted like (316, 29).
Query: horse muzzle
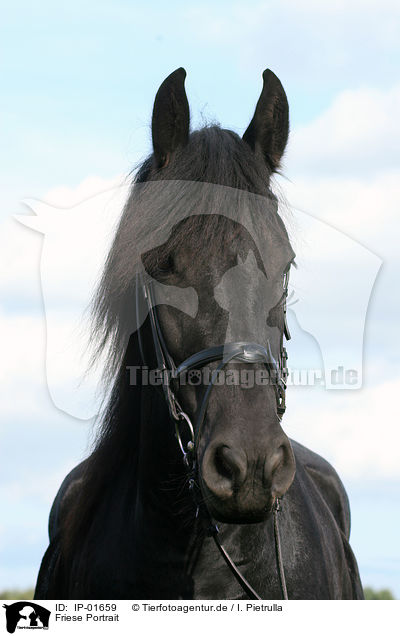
(240, 485)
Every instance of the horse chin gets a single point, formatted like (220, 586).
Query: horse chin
(235, 512)
(242, 518)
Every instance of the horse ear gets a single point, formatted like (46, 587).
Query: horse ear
(268, 131)
(170, 123)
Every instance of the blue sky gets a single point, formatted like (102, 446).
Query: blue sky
(78, 83)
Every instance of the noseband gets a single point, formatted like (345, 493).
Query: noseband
(247, 352)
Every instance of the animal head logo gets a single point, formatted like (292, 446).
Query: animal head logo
(329, 289)
(25, 615)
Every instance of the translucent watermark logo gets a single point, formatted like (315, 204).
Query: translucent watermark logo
(329, 290)
(243, 378)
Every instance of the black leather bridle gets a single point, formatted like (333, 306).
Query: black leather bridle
(247, 352)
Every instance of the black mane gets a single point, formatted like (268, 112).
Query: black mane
(212, 155)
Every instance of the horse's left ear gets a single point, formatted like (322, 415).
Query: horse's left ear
(269, 129)
(170, 123)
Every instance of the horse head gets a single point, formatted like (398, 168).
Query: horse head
(237, 269)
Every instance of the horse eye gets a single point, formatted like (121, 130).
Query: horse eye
(165, 265)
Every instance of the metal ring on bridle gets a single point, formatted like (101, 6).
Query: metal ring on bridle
(190, 444)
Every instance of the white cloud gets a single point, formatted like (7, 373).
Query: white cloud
(41, 487)
(21, 249)
(367, 210)
(358, 135)
(358, 432)
(81, 224)
(66, 197)
(20, 257)
(24, 334)
(30, 382)
(64, 270)
(22, 373)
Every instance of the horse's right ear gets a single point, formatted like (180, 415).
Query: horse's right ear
(170, 123)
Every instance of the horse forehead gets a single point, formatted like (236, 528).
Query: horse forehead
(270, 258)
(246, 291)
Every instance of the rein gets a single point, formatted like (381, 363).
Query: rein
(235, 351)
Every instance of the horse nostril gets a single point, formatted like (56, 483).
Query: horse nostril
(232, 464)
(224, 470)
(280, 470)
(274, 462)
(224, 462)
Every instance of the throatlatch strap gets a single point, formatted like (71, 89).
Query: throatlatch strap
(278, 550)
(244, 584)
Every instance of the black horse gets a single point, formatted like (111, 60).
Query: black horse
(134, 520)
